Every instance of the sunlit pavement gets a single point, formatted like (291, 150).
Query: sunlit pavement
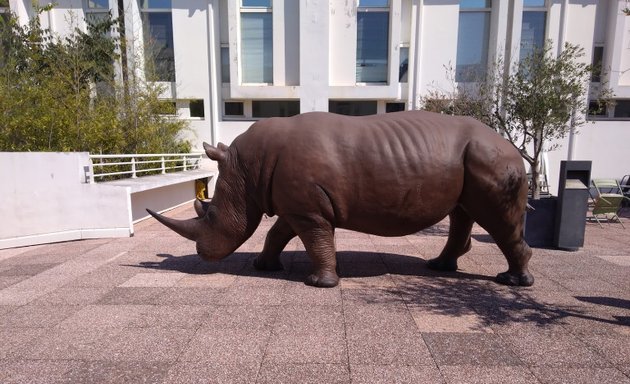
(148, 309)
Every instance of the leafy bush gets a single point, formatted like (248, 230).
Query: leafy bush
(61, 94)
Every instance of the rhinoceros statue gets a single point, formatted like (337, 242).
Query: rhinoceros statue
(388, 175)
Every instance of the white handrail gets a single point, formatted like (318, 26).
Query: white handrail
(156, 162)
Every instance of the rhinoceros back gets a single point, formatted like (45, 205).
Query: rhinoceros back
(406, 168)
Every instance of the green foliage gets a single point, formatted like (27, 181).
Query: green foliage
(61, 94)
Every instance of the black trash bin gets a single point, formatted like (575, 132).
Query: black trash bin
(573, 187)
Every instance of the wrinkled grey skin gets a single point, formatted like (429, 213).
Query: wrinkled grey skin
(388, 175)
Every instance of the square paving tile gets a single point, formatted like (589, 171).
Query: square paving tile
(203, 372)
(315, 347)
(116, 372)
(561, 375)
(394, 374)
(245, 317)
(379, 346)
(169, 279)
(37, 316)
(472, 374)
(34, 371)
(428, 321)
(553, 349)
(219, 345)
(304, 373)
(469, 349)
(72, 296)
(131, 295)
(147, 344)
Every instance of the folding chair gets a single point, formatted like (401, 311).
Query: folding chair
(606, 205)
(625, 189)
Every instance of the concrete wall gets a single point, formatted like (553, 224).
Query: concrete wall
(46, 199)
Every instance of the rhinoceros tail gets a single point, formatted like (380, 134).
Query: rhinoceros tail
(190, 229)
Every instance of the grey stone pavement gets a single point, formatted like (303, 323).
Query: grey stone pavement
(147, 309)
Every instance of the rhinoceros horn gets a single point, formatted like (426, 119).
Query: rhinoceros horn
(190, 229)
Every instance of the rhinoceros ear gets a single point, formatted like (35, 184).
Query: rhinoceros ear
(216, 154)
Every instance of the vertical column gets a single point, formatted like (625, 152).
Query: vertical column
(314, 56)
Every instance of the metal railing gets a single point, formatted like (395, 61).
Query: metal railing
(109, 167)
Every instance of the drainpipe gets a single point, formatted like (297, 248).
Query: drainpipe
(561, 41)
(415, 55)
(213, 96)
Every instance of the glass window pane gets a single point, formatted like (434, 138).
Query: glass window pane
(98, 4)
(404, 65)
(532, 32)
(225, 65)
(257, 47)
(533, 3)
(374, 3)
(234, 108)
(160, 58)
(472, 46)
(352, 108)
(598, 57)
(475, 4)
(156, 4)
(275, 108)
(257, 3)
(395, 107)
(372, 46)
(196, 108)
(622, 108)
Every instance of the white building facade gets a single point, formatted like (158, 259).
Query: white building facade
(228, 63)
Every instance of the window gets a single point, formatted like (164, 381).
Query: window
(598, 61)
(404, 65)
(97, 11)
(275, 108)
(533, 27)
(597, 108)
(256, 41)
(196, 108)
(166, 107)
(394, 107)
(372, 41)
(225, 65)
(158, 38)
(4, 12)
(352, 108)
(98, 4)
(232, 108)
(472, 40)
(622, 109)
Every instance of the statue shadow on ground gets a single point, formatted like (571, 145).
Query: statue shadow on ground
(443, 293)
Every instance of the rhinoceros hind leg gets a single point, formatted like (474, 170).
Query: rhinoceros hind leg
(318, 237)
(458, 242)
(277, 239)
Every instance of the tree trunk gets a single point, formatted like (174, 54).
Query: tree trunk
(535, 188)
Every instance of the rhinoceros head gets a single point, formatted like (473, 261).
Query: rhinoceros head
(227, 221)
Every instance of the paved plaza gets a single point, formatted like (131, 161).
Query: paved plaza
(147, 309)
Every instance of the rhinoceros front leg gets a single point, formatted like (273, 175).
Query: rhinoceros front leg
(318, 236)
(277, 239)
(457, 244)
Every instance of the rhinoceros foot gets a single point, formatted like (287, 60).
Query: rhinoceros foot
(441, 264)
(524, 279)
(263, 264)
(325, 280)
